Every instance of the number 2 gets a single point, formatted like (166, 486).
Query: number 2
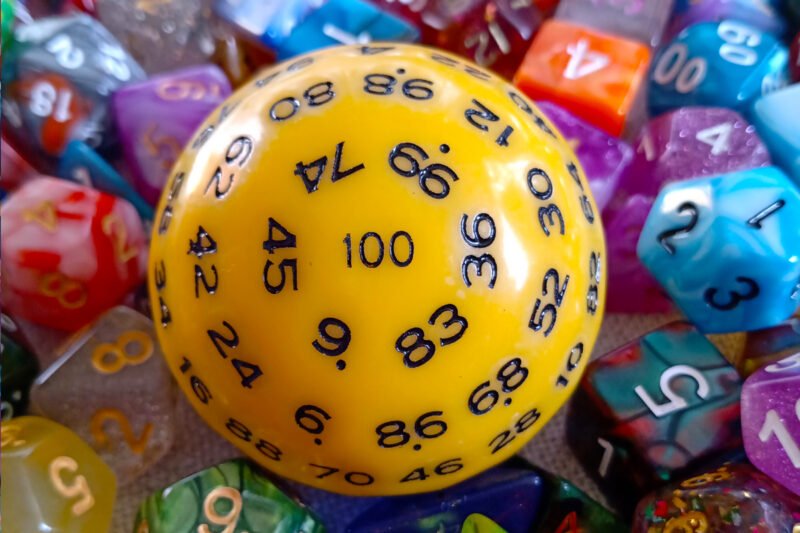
(136, 444)
(675, 403)
(114, 227)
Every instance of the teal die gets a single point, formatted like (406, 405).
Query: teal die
(777, 119)
(345, 22)
(231, 497)
(727, 248)
(723, 64)
(81, 164)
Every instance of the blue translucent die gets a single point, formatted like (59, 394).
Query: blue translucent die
(767, 15)
(777, 119)
(344, 22)
(727, 248)
(271, 21)
(722, 64)
(81, 164)
(509, 495)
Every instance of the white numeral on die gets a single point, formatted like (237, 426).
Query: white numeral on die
(774, 425)
(789, 363)
(46, 101)
(583, 61)
(717, 137)
(675, 403)
(66, 53)
(673, 65)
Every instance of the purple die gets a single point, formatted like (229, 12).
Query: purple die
(686, 143)
(771, 421)
(604, 158)
(168, 108)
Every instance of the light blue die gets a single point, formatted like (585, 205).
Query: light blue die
(727, 248)
(777, 120)
(344, 22)
(81, 164)
(270, 21)
(723, 64)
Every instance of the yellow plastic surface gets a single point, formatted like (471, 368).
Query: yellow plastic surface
(52, 480)
(359, 415)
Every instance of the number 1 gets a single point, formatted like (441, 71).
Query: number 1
(774, 425)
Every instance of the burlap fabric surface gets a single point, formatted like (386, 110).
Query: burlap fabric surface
(197, 446)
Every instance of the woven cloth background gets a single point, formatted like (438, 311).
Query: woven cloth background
(197, 446)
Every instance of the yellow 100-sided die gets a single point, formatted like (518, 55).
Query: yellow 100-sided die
(377, 270)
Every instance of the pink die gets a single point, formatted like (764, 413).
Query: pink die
(771, 421)
(69, 252)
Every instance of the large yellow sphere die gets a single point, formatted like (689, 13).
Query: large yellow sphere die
(377, 270)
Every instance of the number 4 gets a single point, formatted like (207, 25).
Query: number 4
(717, 137)
(583, 61)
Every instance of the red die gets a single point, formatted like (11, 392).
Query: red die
(69, 252)
(497, 36)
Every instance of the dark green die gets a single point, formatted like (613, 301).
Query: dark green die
(18, 369)
(232, 497)
(566, 509)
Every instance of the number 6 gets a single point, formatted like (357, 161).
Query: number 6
(675, 402)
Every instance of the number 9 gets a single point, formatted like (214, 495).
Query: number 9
(228, 520)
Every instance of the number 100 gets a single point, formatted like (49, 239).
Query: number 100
(371, 259)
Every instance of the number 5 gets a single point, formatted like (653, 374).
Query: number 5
(79, 486)
(675, 403)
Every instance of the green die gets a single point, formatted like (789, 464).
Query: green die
(477, 523)
(567, 508)
(7, 21)
(231, 497)
(18, 369)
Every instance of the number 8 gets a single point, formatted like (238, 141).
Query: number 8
(675, 403)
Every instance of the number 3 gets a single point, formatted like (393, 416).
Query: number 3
(675, 403)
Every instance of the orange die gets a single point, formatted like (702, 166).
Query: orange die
(594, 75)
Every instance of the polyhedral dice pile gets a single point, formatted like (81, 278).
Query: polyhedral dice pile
(685, 121)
